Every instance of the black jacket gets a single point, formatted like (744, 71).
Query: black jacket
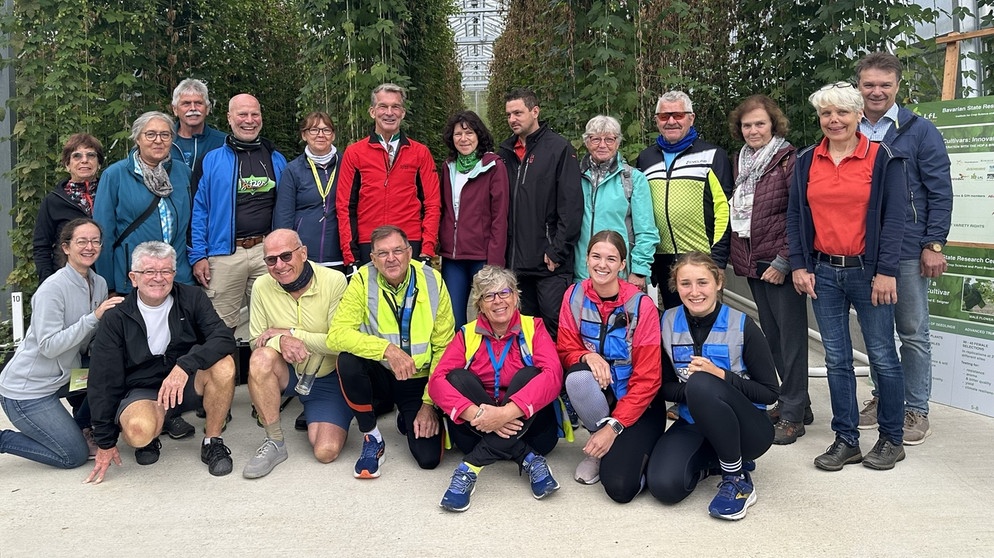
(121, 360)
(546, 203)
(56, 210)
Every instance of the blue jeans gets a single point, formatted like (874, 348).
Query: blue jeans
(838, 289)
(458, 277)
(911, 318)
(48, 434)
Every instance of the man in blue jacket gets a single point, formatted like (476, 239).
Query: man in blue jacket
(233, 210)
(930, 203)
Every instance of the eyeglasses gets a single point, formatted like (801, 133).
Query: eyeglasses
(396, 252)
(319, 132)
(665, 116)
(152, 136)
(285, 256)
(84, 242)
(151, 273)
(502, 294)
(606, 141)
(838, 84)
(80, 155)
(389, 108)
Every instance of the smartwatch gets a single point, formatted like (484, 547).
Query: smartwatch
(613, 423)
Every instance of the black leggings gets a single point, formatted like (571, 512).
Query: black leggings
(622, 466)
(365, 381)
(727, 426)
(539, 434)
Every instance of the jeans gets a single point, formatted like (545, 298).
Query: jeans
(911, 318)
(838, 289)
(48, 434)
(458, 278)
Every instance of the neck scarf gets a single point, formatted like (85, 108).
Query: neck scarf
(156, 178)
(239, 145)
(465, 163)
(306, 274)
(321, 160)
(82, 194)
(679, 146)
(752, 164)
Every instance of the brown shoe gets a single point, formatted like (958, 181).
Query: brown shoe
(868, 416)
(673, 412)
(786, 432)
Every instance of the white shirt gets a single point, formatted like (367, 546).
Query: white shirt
(157, 324)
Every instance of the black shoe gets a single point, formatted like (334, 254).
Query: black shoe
(201, 412)
(838, 455)
(786, 432)
(148, 454)
(217, 456)
(774, 414)
(884, 455)
(177, 428)
(301, 422)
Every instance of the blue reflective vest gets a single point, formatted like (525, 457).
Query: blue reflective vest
(613, 339)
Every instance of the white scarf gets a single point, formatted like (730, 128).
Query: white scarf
(322, 160)
(752, 165)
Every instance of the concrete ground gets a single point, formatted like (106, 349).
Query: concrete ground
(934, 503)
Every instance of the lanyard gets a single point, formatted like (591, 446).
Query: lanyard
(326, 189)
(498, 364)
(404, 314)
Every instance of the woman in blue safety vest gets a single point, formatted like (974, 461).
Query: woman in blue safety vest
(609, 344)
(718, 367)
(495, 383)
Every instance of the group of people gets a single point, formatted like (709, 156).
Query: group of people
(331, 251)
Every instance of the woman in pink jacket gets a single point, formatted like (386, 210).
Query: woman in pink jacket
(495, 383)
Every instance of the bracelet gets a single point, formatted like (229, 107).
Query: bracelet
(479, 413)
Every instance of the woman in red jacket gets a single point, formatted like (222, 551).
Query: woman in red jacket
(609, 344)
(495, 383)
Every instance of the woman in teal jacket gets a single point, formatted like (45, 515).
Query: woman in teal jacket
(123, 205)
(615, 197)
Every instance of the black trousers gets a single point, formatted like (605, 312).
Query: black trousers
(783, 315)
(542, 296)
(661, 264)
(727, 427)
(623, 465)
(364, 381)
(539, 434)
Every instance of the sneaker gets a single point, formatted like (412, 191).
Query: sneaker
(148, 454)
(673, 411)
(838, 455)
(868, 416)
(574, 419)
(91, 444)
(269, 455)
(368, 465)
(588, 471)
(177, 428)
(461, 487)
(916, 428)
(774, 414)
(301, 422)
(540, 476)
(735, 494)
(786, 432)
(884, 455)
(217, 456)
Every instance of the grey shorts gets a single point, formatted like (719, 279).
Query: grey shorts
(191, 401)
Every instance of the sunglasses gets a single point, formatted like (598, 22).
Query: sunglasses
(285, 256)
(665, 116)
(838, 85)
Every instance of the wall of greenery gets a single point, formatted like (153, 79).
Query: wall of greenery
(81, 65)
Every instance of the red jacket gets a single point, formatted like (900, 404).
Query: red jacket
(646, 353)
(538, 393)
(370, 195)
(481, 232)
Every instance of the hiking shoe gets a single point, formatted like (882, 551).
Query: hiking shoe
(735, 494)
(177, 428)
(673, 411)
(217, 456)
(884, 455)
(868, 416)
(786, 432)
(539, 475)
(368, 465)
(774, 414)
(838, 455)
(588, 471)
(916, 428)
(269, 455)
(148, 454)
(301, 422)
(461, 487)
(91, 445)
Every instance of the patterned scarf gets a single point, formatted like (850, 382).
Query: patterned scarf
(752, 164)
(156, 178)
(82, 194)
(465, 163)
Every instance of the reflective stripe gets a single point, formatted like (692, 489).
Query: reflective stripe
(608, 339)
(526, 337)
(420, 325)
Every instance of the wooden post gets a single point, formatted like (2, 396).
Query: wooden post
(951, 70)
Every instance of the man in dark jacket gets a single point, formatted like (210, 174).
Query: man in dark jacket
(545, 209)
(164, 347)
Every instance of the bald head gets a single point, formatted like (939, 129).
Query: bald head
(280, 244)
(245, 117)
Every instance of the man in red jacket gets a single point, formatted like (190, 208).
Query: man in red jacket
(387, 179)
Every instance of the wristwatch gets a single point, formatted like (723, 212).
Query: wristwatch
(934, 246)
(613, 423)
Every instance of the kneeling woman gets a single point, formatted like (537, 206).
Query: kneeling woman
(609, 344)
(718, 368)
(66, 309)
(495, 383)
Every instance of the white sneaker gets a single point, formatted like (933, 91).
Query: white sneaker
(588, 471)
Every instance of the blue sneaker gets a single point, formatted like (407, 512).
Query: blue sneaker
(735, 495)
(368, 466)
(460, 489)
(540, 476)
